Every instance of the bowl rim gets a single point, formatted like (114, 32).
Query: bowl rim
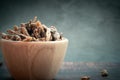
(63, 40)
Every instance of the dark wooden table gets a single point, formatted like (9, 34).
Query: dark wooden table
(75, 70)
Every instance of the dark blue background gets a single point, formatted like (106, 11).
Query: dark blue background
(92, 26)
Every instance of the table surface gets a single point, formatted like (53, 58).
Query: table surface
(75, 70)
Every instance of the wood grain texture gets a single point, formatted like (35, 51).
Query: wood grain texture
(34, 60)
(75, 70)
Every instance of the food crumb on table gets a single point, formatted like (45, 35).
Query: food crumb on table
(85, 78)
(104, 73)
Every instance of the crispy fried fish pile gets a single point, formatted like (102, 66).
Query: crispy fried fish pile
(33, 30)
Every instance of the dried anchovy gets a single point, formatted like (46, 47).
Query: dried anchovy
(16, 28)
(29, 29)
(48, 35)
(15, 38)
(36, 33)
(28, 39)
(5, 36)
(39, 25)
(55, 36)
(61, 36)
(35, 19)
(22, 25)
(53, 29)
(12, 32)
(24, 31)
(32, 31)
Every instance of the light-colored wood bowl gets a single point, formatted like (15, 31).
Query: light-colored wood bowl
(33, 60)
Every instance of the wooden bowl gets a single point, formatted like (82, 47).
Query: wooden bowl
(33, 60)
